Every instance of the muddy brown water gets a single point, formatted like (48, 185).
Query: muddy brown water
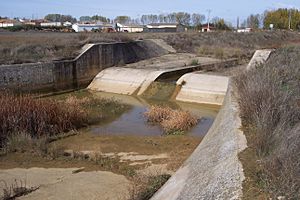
(133, 122)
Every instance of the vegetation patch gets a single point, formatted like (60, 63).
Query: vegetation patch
(16, 189)
(27, 121)
(144, 187)
(172, 121)
(269, 102)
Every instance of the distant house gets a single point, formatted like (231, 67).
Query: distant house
(245, 30)
(37, 22)
(4, 23)
(48, 24)
(164, 28)
(208, 27)
(132, 28)
(67, 24)
(91, 27)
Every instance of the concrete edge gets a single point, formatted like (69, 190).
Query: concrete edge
(213, 171)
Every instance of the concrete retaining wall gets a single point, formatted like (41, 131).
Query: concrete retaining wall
(213, 171)
(77, 73)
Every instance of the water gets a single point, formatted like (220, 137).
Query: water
(133, 121)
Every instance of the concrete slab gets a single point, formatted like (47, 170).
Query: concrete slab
(259, 57)
(57, 184)
(213, 171)
(202, 88)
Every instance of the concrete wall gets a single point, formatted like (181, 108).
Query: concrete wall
(77, 73)
(213, 171)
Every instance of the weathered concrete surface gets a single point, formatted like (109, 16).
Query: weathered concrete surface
(58, 184)
(202, 88)
(79, 72)
(122, 80)
(213, 171)
(136, 78)
(259, 57)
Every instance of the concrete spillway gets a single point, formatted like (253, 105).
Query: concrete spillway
(201, 88)
(137, 77)
(123, 80)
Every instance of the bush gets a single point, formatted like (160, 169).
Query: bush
(37, 117)
(157, 114)
(269, 102)
(172, 121)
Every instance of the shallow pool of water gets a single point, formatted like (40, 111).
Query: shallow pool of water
(133, 121)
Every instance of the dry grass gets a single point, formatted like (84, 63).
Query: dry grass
(172, 121)
(24, 47)
(44, 47)
(16, 189)
(23, 118)
(37, 117)
(145, 186)
(269, 102)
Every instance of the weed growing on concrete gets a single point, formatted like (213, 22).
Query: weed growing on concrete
(194, 62)
(16, 189)
(144, 186)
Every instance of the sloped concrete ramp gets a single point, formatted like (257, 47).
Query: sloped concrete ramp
(213, 171)
(259, 57)
(122, 80)
(202, 88)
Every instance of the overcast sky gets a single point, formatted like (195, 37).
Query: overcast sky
(227, 9)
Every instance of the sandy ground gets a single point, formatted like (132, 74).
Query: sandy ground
(57, 184)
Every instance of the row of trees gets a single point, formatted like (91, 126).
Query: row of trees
(60, 18)
(94, 18)
(282, 19)
(184, 18)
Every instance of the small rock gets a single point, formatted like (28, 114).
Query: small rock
(78, 170)
(69, 153)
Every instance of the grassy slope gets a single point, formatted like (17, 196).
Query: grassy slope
(269, 98)
(24, 47)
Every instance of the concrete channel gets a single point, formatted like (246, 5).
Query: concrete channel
(213, 171)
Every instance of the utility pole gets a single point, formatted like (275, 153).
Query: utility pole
(208, 16)
(290, 18)
(238, 23)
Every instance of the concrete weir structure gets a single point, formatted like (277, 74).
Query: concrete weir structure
(136, 78)
(201, 88)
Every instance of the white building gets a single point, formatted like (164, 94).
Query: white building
(4, 23)
(129, 28)
(245, 30)
(47, 24)
(165, 27)
(90, 27)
